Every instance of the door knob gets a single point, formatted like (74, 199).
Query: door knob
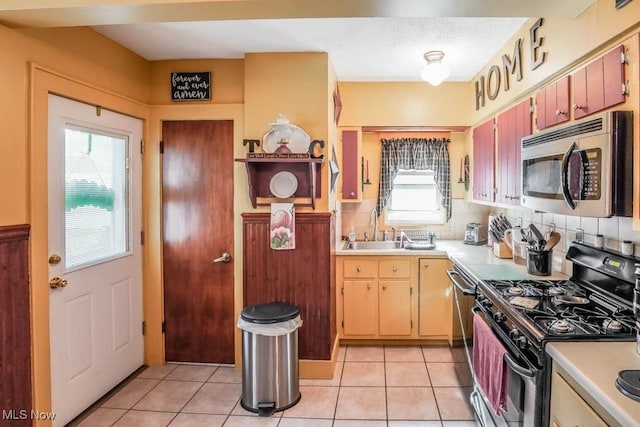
(57, 282)
(225, 257)
(55, 259)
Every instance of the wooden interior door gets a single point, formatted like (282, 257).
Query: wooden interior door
(197, 205)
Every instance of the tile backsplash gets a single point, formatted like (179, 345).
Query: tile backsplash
(356, 216)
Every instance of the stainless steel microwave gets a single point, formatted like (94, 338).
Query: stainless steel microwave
(583, 169)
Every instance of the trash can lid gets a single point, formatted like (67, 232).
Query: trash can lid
(272, 312)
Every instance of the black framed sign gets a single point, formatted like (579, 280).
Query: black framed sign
(194, 86)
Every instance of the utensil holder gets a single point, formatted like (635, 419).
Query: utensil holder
(539, 262)
(502, 250)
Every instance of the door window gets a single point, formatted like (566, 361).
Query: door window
(96, 220)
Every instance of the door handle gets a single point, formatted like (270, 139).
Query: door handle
(57, 282)
(566, 194)
(225, 257)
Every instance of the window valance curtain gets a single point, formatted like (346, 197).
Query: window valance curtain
(419, 154)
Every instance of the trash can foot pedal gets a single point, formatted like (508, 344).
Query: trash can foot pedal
(266, 409)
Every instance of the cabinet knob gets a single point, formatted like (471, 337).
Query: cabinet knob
(426, 266)
(358, 269)
(559, 113)
(352, 194)
(384, 287)
(369, 287)
(577, 107)
(395, 268)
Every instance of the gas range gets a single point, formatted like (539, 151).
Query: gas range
(564, 308)
(596, 303)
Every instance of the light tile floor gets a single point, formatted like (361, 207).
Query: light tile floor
(372, 386)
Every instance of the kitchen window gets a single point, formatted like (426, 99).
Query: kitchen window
(415, 199)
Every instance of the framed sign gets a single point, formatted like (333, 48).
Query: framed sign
(195, 86)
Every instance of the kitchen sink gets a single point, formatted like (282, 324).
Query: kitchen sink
(381, 245)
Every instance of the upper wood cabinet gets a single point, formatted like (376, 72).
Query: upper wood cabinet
(483, 161)
(552, 104)
(512, 125)
(599, 84)
(351, 166)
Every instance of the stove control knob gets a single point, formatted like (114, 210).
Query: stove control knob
(498, 316)
(514, 334)
(522, 342)
(486, 302)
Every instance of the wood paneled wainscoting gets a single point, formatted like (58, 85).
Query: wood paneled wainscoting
(304, 277)
(15, 333)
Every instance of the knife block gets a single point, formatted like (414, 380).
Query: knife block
(501, 250)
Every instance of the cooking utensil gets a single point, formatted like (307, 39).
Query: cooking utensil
(536, 233)
(552, 241)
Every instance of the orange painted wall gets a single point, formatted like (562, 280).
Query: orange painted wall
(70, 51)
(296, 84)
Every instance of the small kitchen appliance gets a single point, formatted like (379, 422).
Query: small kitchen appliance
(475, 234)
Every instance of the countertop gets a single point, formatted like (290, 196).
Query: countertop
(594, 366)
(477, 261)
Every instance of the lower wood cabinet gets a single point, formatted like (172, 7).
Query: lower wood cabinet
(394, 297)
(568, 409)
(360, 301)
(435, 303)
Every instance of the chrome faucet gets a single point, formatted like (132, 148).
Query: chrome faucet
(374, 215)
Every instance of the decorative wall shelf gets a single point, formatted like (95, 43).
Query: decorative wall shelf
(261, 168)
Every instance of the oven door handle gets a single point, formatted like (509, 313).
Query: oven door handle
(565, 177)
(456, 283)
(522, 371)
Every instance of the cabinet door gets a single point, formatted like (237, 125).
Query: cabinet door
(541, 109)
(506, 145)
(435, 302)
(595, 86)
(613, 76)
(561, 113)
(360, 307)
(579, 83)
(395, 307)
(483, 161)
(350, 166)
(599, 84)
(568, 409)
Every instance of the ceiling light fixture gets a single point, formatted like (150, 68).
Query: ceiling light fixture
(435, 71)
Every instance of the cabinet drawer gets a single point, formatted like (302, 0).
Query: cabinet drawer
(395, 268)
(360, 268)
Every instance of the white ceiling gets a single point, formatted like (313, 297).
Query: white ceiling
(361, 49)
(367, 40)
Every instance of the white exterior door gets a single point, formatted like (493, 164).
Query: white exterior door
(95, 264)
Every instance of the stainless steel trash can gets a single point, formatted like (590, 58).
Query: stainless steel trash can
(270, 380)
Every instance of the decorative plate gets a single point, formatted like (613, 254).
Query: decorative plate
(299, 141)
(283, 184)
